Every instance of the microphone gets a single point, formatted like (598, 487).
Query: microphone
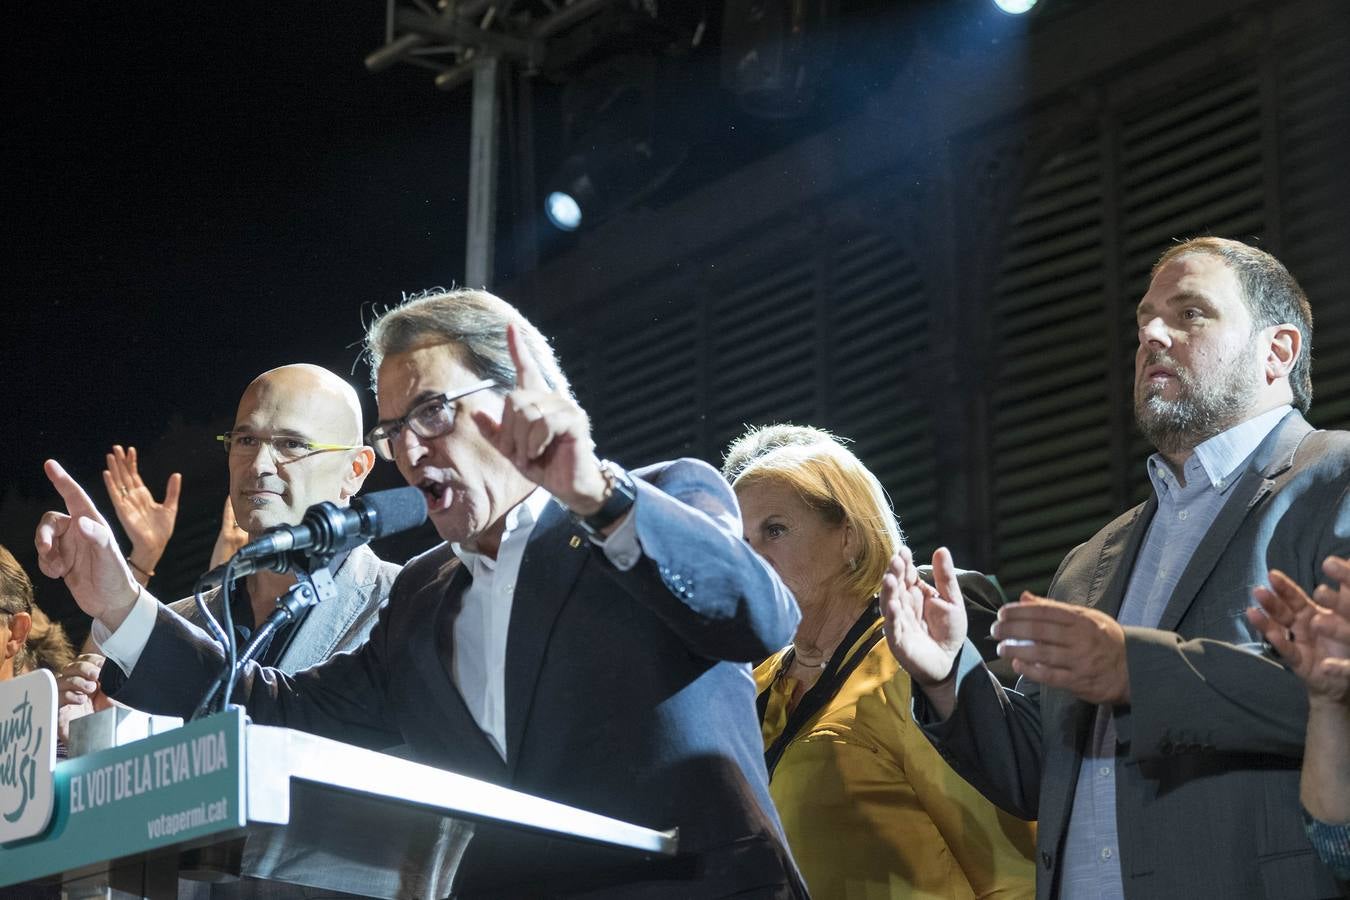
(327, 529)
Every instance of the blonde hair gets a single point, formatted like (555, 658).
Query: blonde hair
(47, 646)
(830, 480)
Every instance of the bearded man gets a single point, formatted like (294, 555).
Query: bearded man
(1155, 736)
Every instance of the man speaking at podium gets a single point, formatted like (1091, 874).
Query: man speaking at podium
(583, 634)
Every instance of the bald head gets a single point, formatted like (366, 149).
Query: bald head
(273, 484)
(333, 402)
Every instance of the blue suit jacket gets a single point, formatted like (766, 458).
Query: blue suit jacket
(627, 693)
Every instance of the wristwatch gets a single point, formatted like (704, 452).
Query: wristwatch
(620, 492)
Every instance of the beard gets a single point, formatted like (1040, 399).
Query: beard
(1203, 407)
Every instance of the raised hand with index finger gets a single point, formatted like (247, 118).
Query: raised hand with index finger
(78, 547)
(546, 435)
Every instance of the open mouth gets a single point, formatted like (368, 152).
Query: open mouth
(437, 493)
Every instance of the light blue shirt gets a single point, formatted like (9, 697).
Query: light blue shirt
(1092, 869)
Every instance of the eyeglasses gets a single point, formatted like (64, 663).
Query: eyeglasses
(284, 446)
(431, 418)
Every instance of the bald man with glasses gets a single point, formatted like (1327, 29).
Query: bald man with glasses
(296, 441)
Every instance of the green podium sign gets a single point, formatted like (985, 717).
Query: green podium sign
(149, 795)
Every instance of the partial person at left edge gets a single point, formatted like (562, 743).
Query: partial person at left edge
(16, 614)
(584, 634)
(18, 657)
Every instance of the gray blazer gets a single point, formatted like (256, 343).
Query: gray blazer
(1209, 749)
(338, 625)
(363, 585)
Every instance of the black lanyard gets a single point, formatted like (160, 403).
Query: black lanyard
(837, 671)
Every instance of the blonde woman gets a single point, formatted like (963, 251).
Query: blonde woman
(869, 806)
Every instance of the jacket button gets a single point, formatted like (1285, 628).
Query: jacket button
(1045, 858)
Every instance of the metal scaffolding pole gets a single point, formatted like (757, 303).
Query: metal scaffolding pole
(484, 146)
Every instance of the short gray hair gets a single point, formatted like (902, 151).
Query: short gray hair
(473, 320)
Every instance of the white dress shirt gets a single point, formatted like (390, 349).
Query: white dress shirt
(480, 628)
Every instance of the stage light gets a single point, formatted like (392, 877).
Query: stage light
(563, 211)
(592, 185)
(612, 157)
(1015, 7)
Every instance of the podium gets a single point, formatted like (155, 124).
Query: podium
(317, 812)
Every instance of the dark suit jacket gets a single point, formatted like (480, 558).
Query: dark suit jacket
(1210, 747)
(627, 693)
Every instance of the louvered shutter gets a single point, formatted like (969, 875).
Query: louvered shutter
(879, 335)
(763, 364)
(834, 334)
(649, 404)
(1051, 415)
(1188, 166)
(1313, 80)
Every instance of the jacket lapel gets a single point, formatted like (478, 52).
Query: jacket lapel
(1105, 592)
(326, 623)
(553, 559)
(1119, 551)
(1273, 457)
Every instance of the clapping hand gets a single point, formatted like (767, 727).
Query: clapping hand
(925, 624)
(1312, 635)
(1061, 645)
(147, 522)
(78, 691)
(229, 539)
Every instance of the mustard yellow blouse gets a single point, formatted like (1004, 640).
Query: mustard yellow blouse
(871, 810)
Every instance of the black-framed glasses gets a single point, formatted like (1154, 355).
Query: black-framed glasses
(431, 418)
(284, 446)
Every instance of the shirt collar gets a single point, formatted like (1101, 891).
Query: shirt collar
(1219, 458)
(520, 520)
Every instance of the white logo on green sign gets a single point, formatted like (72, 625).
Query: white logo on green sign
(27, 754)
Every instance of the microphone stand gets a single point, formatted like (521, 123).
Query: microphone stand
(313, 583)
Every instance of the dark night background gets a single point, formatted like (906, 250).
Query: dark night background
(193, 196)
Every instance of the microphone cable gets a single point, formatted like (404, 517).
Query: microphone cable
(224, 635)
